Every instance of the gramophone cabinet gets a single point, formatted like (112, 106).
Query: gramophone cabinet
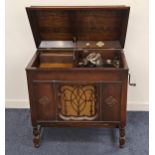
(64, 94)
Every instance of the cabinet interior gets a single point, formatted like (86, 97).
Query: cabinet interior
(71, 58)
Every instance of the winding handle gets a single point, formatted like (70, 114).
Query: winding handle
(131, 84)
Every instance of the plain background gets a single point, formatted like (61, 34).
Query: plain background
(20, 48)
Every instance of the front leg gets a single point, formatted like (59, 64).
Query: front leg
(121, 137)
(36, 136)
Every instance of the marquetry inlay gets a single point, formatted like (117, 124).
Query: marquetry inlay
(111, 101)
(44, 100)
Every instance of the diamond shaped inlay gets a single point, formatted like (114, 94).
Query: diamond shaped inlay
(44, 100)
(111, 101)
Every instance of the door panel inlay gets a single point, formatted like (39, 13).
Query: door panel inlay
(77, 102)
(111, 101)
(44, 100)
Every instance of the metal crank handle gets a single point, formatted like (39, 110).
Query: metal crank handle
(130, 83)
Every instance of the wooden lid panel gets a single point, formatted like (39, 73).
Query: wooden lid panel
(85, 24)
(54, 25)
(98, 25)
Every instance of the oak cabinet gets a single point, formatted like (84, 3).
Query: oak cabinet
(78, 76)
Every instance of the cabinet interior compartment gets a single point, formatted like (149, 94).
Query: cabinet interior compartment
(47, 59)
(56, 59)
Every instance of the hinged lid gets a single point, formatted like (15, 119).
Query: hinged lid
(70, 27)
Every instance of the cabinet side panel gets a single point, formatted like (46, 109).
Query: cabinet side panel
(124, 101)
(31, 98)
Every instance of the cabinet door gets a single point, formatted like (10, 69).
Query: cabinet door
(111, 102)
(44, 99)
(78, 101)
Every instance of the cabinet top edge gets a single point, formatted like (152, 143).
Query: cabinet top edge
(81, 7)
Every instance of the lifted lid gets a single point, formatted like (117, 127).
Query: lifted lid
(79, 27)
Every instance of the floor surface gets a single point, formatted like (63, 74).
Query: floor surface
(76, 141)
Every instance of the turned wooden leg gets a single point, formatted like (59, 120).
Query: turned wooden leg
(122, 137)
(36, 136)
